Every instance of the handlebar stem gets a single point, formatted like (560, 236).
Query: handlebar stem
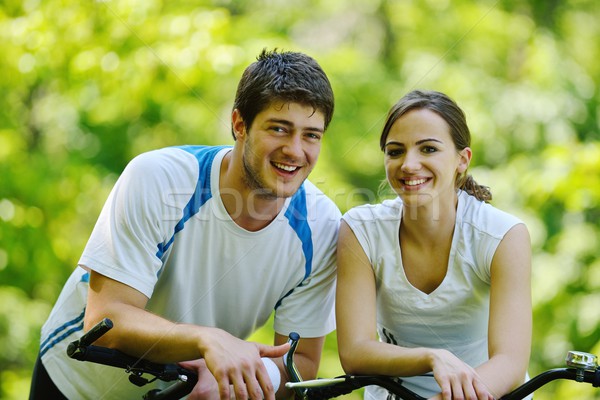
(290, 366)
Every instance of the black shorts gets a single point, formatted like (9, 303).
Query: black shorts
(42, 386)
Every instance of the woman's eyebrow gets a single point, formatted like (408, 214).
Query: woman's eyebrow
(418, 142)
(429, 140)
(393, 143)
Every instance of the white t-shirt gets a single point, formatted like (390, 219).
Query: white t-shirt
(455, 315)
(165, 232)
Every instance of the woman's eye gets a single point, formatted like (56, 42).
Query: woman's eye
(429, 149)
(393, 152)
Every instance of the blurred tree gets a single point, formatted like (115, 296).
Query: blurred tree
(88, 85)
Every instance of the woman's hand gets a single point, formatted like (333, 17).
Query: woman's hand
(457, 380)
(207, 387)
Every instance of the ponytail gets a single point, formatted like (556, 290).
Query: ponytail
(480, 192)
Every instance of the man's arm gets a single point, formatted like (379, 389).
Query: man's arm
(231, 361)
(307, 358)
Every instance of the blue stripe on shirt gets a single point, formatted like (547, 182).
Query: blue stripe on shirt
(74, 325)
(205, 156)
(297, 216)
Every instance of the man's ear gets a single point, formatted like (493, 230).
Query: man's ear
(238, 125)
(464, 159)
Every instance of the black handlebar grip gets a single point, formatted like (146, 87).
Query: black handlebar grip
(97, 330)
(76, 349)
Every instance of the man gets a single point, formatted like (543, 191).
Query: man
(197, 245)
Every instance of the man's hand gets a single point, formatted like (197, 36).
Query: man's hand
(236, 364)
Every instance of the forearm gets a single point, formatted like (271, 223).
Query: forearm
(502, 373)
(306, 368)
(143, 334)
(371, 357)
(306, 358)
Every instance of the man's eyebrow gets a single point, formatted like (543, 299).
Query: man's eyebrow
(279, 121)
(290, 124)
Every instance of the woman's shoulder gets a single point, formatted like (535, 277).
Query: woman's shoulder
(484, 216)
(386, 210)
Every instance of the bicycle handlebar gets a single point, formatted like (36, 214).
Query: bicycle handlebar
(581, 367)
(321, 389)
(83, 350)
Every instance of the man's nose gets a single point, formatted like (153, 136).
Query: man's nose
(293, 146)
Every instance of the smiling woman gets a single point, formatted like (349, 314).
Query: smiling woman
(421, 159)
(443, 275)
(433, 112)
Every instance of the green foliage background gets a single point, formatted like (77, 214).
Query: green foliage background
(88, 85)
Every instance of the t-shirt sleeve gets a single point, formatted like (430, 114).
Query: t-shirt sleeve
(363, 223)
(139, 214)
(309, 309)
(493, 224)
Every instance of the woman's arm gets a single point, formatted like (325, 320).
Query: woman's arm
(509, 333)
(360, 351)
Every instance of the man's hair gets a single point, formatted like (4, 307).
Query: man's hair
(290, 77)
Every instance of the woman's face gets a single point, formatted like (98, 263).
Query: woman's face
(421, 160)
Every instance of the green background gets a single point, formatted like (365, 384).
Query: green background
(87, 85)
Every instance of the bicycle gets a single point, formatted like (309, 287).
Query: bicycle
(580, 367)
(184, 379)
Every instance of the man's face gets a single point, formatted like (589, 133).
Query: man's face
(281, 148)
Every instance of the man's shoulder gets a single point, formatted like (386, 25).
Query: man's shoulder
(317, 200)
(175, 158)
(199, 151)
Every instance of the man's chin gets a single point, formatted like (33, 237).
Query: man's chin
(283, 191)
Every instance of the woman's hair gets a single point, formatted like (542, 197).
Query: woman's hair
(283, 76)
(446, 108)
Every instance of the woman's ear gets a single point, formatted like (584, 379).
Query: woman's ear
(238, 125)
(464, 159)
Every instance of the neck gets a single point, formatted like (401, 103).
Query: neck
(431, 222)
(246, 208)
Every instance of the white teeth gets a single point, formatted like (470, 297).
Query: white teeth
(288, 168)
(415, 182)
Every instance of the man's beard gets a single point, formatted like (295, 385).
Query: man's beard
(254, 181)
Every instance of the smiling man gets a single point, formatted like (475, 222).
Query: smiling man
(196, 246)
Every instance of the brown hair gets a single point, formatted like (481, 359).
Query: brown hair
(446, 108)
(286, 76)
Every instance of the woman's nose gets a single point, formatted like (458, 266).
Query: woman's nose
(411, 162)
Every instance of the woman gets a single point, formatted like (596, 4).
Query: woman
(441, 276)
